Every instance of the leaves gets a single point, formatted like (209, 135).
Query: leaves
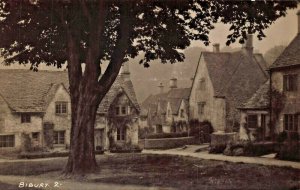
(35, 31)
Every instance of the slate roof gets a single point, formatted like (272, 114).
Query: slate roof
(235, 76)
(27, 91)
(290, 56)
(260, 99)
(173, 96)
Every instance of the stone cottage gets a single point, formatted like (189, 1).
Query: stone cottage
(162, 111)
(255, 115)
(284, 74)
(36, 106)
(222, 82)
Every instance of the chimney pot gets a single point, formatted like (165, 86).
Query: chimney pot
(216, 48)
(124, 72)
(248, 44)
(173, 83)
(161, 88)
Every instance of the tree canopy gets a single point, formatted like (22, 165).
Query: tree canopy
(90, 32)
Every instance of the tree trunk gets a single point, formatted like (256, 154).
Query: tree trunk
(82, 155)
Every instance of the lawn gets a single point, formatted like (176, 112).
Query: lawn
(170, 171)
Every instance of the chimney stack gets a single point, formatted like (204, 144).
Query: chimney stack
(173, 83)
(216, 48)
(124, 72)
(298, 13)
(248, 44)
(161, 88)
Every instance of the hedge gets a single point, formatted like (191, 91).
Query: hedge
(165, 135)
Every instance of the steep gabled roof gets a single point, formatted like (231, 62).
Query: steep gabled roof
(290, 56)
(174, 96)
(27, 91)
(260, 99)
(119, 86)
(235, 76)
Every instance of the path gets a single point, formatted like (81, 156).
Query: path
(190, 151)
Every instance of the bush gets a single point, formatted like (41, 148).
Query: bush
(290, 148)
(281, 137)
(218, 149)
(143, 132)
(201, 130)
(126, 148)
(166, 135)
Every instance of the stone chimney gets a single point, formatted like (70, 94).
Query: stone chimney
(248, 44)
(173, 83)
(161, 88)
(216, 48)
(298, 13)
(124, 71)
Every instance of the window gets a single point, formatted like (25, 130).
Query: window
(59, 137)
(35, 136)
(291, 122)
(201, 106)
(123, 110)
(25, 118)
(61, 108)
(290, 82)
(202, 84)
(182, 113)
(252, 121)
(121, 134)
(7, 141)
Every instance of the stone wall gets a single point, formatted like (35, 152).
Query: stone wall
(166, 143)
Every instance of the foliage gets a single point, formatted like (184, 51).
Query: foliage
(90, 32)
(143, 132)
(277, 104)
(179, 126)
(166, 135)
(125, 148)
(290, 148)
(281, 137)
(201, 130)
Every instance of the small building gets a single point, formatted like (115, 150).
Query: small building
(222, 82)
(167, 111)
(35, 109)
(285, 82)
(255, 115)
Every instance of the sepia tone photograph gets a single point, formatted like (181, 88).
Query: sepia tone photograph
(150, 94)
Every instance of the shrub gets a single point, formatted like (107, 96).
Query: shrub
(201, 130)
(143, 132)
(218, 149)
(281, 137)
(166, 135)
(125, 148)
(289, 152)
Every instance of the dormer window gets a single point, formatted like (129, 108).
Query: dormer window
(123, 110)
(61, 108)
(25, 118)
(182, 113)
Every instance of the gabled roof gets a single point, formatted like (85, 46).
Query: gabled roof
(260, 99)
(290, 56)
(174, 96)
(119, 86)
(27, 91)
(235, 76)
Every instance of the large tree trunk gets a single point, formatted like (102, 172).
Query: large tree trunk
(82, 155)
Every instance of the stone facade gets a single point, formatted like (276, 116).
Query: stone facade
(203, 97)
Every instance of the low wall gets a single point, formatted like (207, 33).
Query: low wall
(221, 139)
(165, 143)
